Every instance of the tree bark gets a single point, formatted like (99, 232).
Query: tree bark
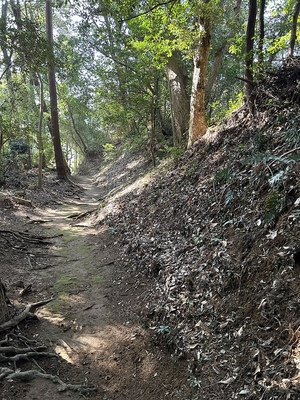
(84, 146)
(59, 158)
(4, 312)
(180, 107)
(249, 55)
(40, 132)
(198, 124)
(261, 32)
(219, 56)
(6, 57)
(294, 28)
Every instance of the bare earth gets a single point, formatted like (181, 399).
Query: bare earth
(93, 324)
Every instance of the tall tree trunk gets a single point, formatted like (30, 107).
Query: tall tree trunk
(3, 28)
(261, 32)
(84, 146)
(249, 55)
(219, 56)
(59, 158)
(40, 132)
(16, 9)
(294, 28)
(198, 125)
(180, 112)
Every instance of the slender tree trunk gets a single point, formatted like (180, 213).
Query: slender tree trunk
(198, 125)
(16, 9)
(261, 32)
(152, 127)
(219, 56)
(215, 71)
(59, 158)
(1, 134)
(4, 311)
(40, 132)
(180, 112)
(6, 57)
(249, 55)
(84, 146)
(294, 28)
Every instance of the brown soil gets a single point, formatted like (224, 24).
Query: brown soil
(93, 325)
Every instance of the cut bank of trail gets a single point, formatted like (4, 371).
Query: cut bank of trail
(93, 323)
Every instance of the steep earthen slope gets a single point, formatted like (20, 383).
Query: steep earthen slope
(218, 237)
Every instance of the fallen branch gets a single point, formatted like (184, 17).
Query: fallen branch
(27, 313)
(32, 374)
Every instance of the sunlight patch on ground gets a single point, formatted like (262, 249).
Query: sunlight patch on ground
(53, 318)
(135, 187)
(59, 350)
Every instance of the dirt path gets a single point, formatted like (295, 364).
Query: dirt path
(92, 324)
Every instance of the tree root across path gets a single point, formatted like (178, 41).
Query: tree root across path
(27, 313)
(25, 237)
(13, 354)
(32, 374)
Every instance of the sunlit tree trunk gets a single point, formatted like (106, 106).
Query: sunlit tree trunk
(59, 158)
(294, 28)
(249, 54)
(198, 124)
(177, 78)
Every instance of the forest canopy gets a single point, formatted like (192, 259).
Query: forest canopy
(78, 77)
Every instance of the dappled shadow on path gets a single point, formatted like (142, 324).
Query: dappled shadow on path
(92, 324)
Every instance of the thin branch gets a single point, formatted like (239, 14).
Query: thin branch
(149, 10)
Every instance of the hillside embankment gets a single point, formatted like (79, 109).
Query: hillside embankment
(218, 237)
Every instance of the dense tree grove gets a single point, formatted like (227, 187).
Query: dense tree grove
(153, 74)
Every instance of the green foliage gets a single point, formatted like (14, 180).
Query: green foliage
(235, 102)
(224, 175)
(163, 329)
(30, 45)
(272, 207)
(259, 157)
(159, 33)
(18, 146)
(293, 131)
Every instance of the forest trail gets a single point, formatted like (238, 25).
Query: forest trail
(99, 342)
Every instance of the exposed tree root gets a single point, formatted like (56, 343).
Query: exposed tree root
(77, 216)
(25, 356)
(7, 373)
(27, 313)
(23, 236)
